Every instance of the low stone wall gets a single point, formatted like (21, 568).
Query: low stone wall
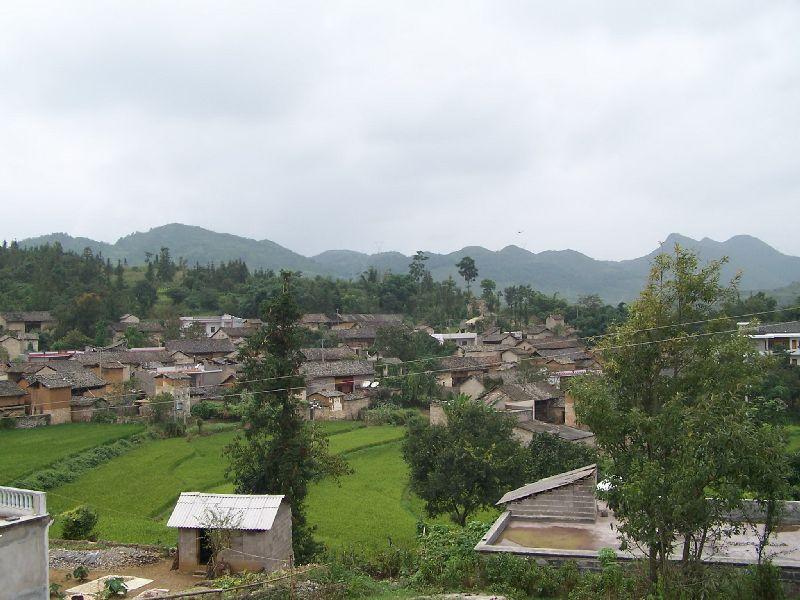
(752, 512)
(31, 421)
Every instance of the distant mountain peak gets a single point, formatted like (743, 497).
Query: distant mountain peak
(567, 272)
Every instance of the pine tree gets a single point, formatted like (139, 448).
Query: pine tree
(280, 452)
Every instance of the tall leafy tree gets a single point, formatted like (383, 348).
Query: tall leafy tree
(465, 465)
(677, 417)
(280, 452)
(467, 270)
(417, 268)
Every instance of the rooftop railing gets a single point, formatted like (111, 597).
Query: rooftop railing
(19, 502)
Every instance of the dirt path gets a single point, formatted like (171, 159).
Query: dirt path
(160, 573)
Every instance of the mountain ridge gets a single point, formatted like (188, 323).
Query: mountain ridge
(568, 272)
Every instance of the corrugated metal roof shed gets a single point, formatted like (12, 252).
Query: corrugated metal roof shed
(195, 510)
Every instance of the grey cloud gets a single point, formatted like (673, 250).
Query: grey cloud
(600, 126)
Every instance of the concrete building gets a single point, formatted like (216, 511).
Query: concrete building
(212, 324)
(778, 337)
(23, 544)
(459, 339)
(260, 527)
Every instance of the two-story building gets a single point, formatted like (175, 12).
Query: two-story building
(778, 337)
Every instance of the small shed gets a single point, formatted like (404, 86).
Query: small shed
(567, 496)
(260, 525)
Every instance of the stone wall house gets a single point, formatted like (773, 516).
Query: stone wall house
(260, 528)
(24, 523)
(327, 405)
(567, 496)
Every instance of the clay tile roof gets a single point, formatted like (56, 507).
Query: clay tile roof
(463, 363)
(362, 333)
(29, 316)
(790, 327)
(314, 354)
(337, 368)
(202, 346)
(9, 389)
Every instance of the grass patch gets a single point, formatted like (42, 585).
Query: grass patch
(370, 506)
(135, 493)
(25, 451)
(793, 434)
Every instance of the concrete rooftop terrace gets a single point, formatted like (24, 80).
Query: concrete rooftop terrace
(560, 539)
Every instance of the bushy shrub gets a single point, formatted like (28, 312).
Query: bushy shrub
(8, 423)
(611, 582)
(79, 522)
(71, 468)
(389, 562)
(206, 410)
(447, 559)
(173, 429)
(389, 414)
(106, 415)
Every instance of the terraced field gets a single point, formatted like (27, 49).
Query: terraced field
(23, 451)
(134, 493)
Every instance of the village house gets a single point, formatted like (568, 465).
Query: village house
(359, 339)
(343, 376)
(211, 324)
(32, 321)
(534, 400)
(237, 335)
(315, 321)
(153, 330)
(16, 371)
(49, 395)
(24, 524)
(778, 337)
(13, 400)
(332, 405)
(207, 348)
(365, 321)
(260, 529)
(525, 430)
(455, 370)
(327, 354)
(19, 344)
(505, 338)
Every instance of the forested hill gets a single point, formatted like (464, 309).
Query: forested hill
(567, 272)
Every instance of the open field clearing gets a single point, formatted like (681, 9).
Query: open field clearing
(23, 451)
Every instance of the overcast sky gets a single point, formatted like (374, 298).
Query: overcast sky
(597, 126)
